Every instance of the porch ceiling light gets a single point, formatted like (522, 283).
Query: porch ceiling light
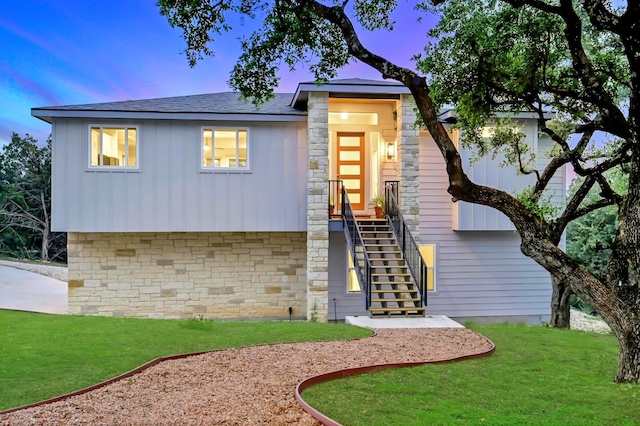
(344, 116)
(391, 150)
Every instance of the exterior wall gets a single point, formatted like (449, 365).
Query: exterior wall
(184, 275)
(341, 302)
(480, 273)
(317, 196)
(409, 156)
(169, 192)
(488, 171)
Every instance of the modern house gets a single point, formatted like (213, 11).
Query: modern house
(209, 206)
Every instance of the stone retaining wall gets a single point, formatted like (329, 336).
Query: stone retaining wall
(185, 275)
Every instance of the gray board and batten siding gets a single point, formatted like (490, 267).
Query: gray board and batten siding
(341, 302)
(491, 172)
(169, 192)
(481, 272)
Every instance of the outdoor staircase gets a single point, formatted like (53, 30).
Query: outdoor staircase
(394, 292)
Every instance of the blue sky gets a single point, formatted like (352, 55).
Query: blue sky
(56, 52)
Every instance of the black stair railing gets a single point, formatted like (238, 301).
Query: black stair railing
(408, 245)
(354, 240)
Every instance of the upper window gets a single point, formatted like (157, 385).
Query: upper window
(113, 146)
(225, 149)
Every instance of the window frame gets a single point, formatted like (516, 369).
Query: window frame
(126, 128)
(352, 270)
(217, 169)
(435, 257)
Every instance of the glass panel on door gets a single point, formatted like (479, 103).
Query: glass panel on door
(350, 166)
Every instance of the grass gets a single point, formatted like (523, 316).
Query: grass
(537, 376)
(42, 356)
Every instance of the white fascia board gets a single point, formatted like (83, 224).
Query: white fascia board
(47, 115)
(372, 89)
(526, 114)
(384, 89)
(549, 115)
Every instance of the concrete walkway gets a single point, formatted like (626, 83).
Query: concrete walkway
(430, 321)
(27, 291)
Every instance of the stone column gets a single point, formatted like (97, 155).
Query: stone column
(317, 196)
(409, 157)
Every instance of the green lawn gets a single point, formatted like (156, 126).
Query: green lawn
(42, 356)
(537, 376)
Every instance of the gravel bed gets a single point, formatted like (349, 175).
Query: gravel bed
(581, 321)
(51, 271)
(244, 386)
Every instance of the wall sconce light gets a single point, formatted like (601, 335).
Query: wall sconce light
(344, 116)
(391, 150)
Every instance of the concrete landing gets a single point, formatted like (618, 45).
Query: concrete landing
(430, 321)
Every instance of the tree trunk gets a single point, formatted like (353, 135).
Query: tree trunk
(629, 358)
(560, 304)
(44, 254)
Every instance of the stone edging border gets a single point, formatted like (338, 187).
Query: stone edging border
(339, 374)
(143, 367)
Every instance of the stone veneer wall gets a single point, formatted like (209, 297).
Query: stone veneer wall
(409, 157)
(185, 275)
(317, 205)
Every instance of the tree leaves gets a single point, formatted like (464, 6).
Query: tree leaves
(25, 199)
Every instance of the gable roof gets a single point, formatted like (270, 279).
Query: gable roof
(212, 106)
(349, 88)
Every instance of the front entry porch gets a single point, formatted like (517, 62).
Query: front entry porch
(384, 263)
(379, 136)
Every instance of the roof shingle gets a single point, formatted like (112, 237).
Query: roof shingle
(216, 103)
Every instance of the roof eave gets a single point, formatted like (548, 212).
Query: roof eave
(451, 117)
(49, 114)
(370, 90)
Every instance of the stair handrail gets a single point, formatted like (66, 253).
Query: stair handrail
(406, 240)
(354, 239)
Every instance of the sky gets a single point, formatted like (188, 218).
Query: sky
(69, 52)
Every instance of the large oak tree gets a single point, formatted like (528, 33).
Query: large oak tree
(553, 54)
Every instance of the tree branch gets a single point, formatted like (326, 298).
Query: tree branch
(558, 226)
(23, 213)
(601, 17)
(612, 117)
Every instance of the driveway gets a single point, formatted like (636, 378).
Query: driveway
(27, 291)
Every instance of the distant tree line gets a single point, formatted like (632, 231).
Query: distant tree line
(25, 202)
(590, 238)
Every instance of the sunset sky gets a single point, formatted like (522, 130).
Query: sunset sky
(70, 52)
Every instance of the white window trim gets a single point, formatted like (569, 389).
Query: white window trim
(213, 168)
(126, 127)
